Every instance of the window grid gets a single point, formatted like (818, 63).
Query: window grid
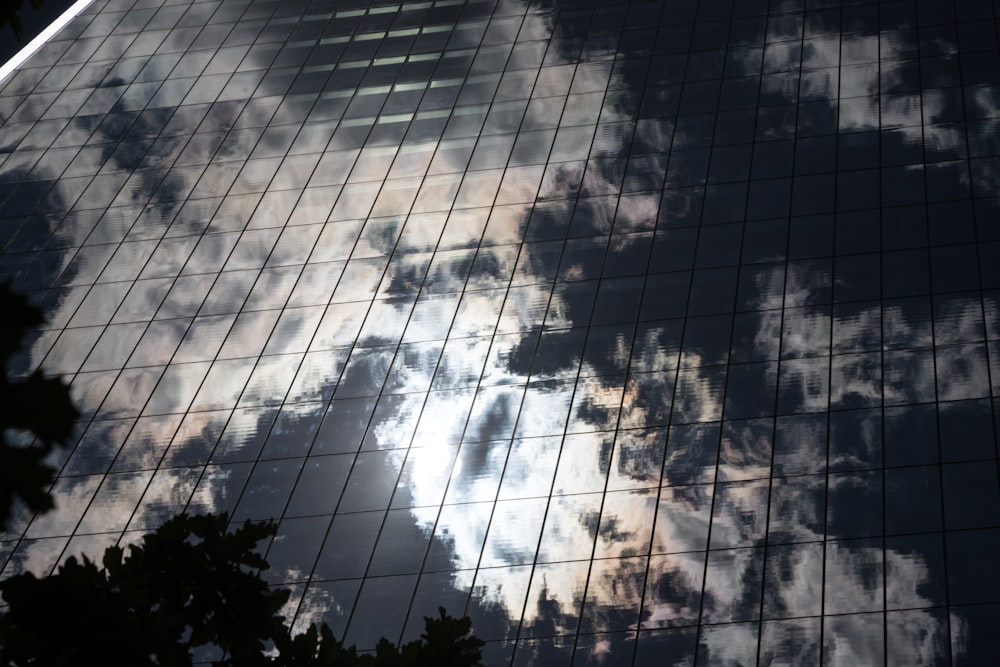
(535, 295)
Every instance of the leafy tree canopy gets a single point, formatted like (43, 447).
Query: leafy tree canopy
(192, 584)
(36, 416)
(10, 11)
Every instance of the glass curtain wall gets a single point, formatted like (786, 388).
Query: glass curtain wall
(642, 333)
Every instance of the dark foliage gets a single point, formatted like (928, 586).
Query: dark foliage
(40, 408)
(189, 584)
(192, 584)
(10, 14)
(446, 642)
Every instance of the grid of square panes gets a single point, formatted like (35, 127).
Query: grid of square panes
(630, 330)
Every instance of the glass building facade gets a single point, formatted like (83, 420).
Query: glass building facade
(652, 333)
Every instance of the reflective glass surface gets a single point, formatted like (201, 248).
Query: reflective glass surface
(642, 333)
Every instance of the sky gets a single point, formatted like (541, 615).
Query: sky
(33, 22)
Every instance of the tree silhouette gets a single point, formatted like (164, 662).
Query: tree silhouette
(10, 14)
(187, 585)
(36, 415)
(193, 585)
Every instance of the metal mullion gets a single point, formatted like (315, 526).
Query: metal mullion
(881, 358)
(934, 349)
(777, 367)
